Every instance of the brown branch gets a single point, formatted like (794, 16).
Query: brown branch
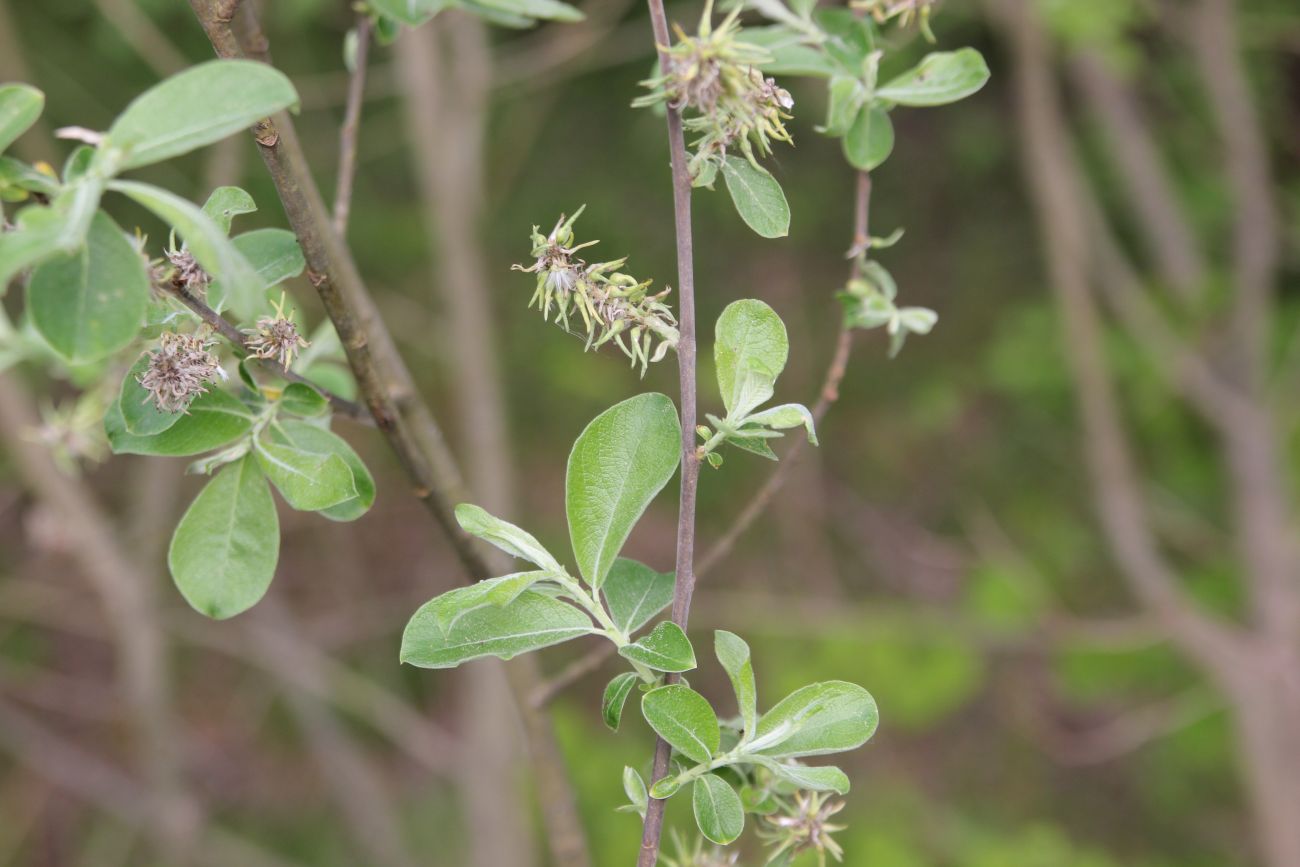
(89, 778)
(351, 126)
(1212, 28)
(389, 391)
(239, 339)
(1167, 232)
(684, 585)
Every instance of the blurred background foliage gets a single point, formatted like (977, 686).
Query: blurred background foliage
(939, 548)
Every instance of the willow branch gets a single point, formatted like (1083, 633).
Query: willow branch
(351, 127)
(389, 391)
(230, 332)
(684, 585)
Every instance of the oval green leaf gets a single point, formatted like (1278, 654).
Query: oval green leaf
(308, 480)
(821, 718)
(20, 106)
(870, 140)
(313, 438)
(225, 548)
(940, 78)
(635, 593)
(619, 463)
(530, 622)
(513, 540)
(683, 718)
(749, 350)
(91, 303)
(733, 653)
(758, 198)
(666, 648)
(616, 693)
(718, 811)
(197, 107)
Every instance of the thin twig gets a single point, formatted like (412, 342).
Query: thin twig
(228, 330)
(684, 585)
(351, 126)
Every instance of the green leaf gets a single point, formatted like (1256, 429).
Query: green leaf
(786, 416)
(514, 541)
(665, 788)
(273, 253)
(551, 10)
(313, 438)
(206, 240)
(226, 203)
(870, 140)
(846, 96)
(91, 303)
(16, 174)
(450, 607)
(634, 788)
(42, 231)
(755, 445)
(813, 779)
(309, 481)
(197, 107)
(666, 648)
(301, 399)
(635, 593)
(683, 718)
(940, 78)
(20, 106)
(224, 551)
(139, 415)
(788, 52)
(411, 12)
(821, 718)
(750, 350)
(718, 810)
(616, 693)
(530, 622)
(213, 420)
(619, 463)
(758, 198)
(733, 653)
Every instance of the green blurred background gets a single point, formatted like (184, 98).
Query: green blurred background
(940, 548)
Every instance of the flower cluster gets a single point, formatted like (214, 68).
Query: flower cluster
(715, 76)
(181, 271)
(804, 827)
(178, 370)
(276, 337)
(613, 305)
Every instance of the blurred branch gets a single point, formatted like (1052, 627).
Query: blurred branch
(87, 777)
(1115, 480)
(357, 788)
(1123, 734)
(144, 37)
(351, 127)
(1212, 28)
(1160, 219)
